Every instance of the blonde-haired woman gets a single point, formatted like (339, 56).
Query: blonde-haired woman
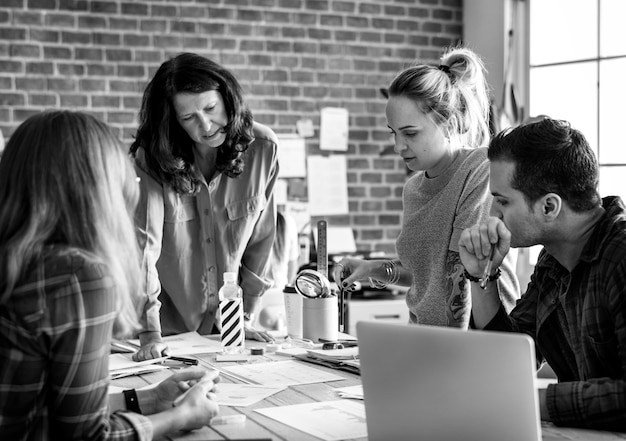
(69, 269)
(438, 116)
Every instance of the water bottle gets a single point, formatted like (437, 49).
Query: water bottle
(231, 315)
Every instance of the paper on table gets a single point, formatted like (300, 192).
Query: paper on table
(231, 394)
(281, 373)
(188, 343)
(335, 354)
(354, 392)
(122, 365)
(328, 420)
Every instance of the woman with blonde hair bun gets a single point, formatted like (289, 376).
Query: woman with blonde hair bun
(438, 116)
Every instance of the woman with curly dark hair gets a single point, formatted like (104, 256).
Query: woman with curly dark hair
(207, 174)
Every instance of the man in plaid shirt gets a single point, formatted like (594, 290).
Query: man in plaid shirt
(544, 178)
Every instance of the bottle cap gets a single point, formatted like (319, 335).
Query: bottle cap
(289, 288)
(230, 277)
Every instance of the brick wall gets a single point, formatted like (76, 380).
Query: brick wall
(293, 57)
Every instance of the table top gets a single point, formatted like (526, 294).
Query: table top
(260, 427)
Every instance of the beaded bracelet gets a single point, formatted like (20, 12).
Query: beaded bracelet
(392, 275)
(491, 278)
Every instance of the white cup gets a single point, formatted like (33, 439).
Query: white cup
(293, 311)
(320, 318)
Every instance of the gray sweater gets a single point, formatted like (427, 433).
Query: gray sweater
(436, 211)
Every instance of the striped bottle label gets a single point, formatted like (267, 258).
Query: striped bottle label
(233, 335)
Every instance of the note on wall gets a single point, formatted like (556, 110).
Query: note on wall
(291, 156)
(334, 129)
(327, 185)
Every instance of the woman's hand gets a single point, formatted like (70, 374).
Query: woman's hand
(198, 405)
(170, 389)
(255, 334)
(152, 346)
(348, 272)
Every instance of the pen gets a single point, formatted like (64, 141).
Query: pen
(184, 360)
(488, 267)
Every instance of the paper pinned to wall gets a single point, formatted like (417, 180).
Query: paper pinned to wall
(291, 156)
(327, 185)
(334, 129)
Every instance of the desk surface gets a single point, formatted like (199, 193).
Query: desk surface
(258, 426)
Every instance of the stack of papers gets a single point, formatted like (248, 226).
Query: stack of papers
(345, 359)
(122, 365)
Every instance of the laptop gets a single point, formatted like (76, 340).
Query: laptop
(432, 383)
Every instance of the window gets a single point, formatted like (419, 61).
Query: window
(577, 63)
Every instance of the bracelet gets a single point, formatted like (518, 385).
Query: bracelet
(132, 402)
(491, 277)
(392, 276)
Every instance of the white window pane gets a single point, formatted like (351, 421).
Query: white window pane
(612, 99)
(563, 30)
(567, 92)
(612, 181)
(612, 29)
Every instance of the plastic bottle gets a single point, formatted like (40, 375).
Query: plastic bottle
(231, 315)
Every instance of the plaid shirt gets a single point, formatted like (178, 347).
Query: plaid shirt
(578, 322)
(55, 333)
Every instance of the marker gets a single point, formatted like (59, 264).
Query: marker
(488, 267)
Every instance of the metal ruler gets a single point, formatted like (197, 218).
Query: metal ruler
(322, 248)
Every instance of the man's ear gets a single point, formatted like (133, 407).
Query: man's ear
(551, 206)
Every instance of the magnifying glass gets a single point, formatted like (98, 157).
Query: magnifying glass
(312, 284)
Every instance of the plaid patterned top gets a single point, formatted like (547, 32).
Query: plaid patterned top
(578, 322)
(55, 333)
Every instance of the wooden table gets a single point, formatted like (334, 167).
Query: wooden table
(259, 427)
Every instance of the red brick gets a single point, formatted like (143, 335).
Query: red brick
(104, 7)
(44, 35)
(61, 84)
(7, 66)
(73, 101)
(124, 24)
(37, 67)
(12, 99)
(73, 5)
(134, 9)
(43, 99)
(25, 51)
(28, 18)
(92, 22)
(75, 37)
(100, 70)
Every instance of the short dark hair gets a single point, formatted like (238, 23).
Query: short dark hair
(550, 157)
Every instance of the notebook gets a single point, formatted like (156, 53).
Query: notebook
(431, 383)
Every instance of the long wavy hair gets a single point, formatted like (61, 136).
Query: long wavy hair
(455, 94)
(167, 147)
(67, 181)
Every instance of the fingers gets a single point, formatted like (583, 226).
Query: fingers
(254, 334)
(191, 373)
(151, 351)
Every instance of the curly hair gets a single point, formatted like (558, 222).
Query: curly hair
(167, 147)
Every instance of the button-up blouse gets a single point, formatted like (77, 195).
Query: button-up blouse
(189, 241)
